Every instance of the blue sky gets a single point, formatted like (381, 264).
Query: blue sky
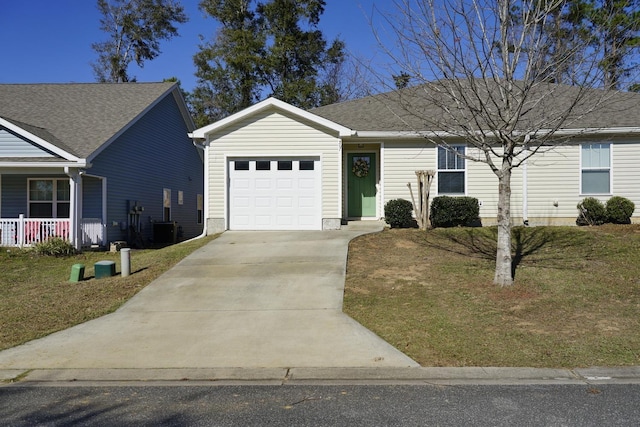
(49, 41)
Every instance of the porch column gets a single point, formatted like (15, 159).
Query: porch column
(75, 206)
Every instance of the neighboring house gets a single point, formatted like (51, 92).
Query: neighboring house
(97, 163)
(273, 166)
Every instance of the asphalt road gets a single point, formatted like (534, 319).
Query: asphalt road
(349, 405)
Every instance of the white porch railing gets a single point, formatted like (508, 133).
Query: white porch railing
(19, 232)
(91, 232)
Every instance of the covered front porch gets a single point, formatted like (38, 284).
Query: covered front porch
(37, 204)
(25, 232)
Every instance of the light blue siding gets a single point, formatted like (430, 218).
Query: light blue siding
(12, 145)
(155, 153)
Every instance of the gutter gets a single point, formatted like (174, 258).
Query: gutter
(81, 163)
(539, 132)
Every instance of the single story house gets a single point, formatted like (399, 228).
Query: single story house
(273, 166)
(97, 163)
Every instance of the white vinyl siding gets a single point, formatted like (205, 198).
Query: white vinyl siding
(595, 168)
(274, 134)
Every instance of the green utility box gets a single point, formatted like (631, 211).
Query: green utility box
(77, 273)
(105, 269)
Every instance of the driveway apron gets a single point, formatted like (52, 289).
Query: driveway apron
(247, 300)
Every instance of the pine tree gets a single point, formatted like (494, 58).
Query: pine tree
(262, 49)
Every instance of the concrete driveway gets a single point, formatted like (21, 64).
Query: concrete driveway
(245, 300)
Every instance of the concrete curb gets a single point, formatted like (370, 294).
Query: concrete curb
(300, 376)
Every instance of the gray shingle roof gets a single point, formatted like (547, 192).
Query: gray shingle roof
(77, 117)
(416, 109)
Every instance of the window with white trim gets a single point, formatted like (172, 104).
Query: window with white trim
(596, 168)
(49, 198)
(200, 207)
(166, 203)
(451, 170)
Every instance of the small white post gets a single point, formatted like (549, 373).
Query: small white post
(20, 230)
(125, 262)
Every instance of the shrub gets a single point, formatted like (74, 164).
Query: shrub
(54, 246)
(455, 211)
(619, 210)
(591, 211)
(397, 213)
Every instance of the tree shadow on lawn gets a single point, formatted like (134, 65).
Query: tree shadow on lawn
(533, 245)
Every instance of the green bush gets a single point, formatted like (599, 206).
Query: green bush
(449, 211)
(619, 210)
(397, 213)
(591, 211)
(54, 246)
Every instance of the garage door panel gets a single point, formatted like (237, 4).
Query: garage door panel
(284, 202)
(241, 183)
(263, 184)
(306, 202)
(241, 202)
(278, 196)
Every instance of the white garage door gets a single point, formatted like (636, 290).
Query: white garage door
(275, 194)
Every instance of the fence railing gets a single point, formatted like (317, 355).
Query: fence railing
(19, 232)
(92, 232)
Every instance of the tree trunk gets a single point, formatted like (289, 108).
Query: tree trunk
(504, 272)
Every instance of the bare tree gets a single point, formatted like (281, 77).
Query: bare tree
(479, 72)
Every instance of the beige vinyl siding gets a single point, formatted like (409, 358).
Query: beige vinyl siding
(626, 172)
(554, 178)
(482, 183)
(401, 160)
(274, 134)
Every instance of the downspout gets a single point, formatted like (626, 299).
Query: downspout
(202, 145)
(525, 186)
(381, 183)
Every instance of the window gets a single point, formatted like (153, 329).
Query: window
(166, 203)
(241, 165)
(451, 170)
(306, 165)
(285, 165)
(199, 207)
(49, 198)
(596, 168)
(263, 165)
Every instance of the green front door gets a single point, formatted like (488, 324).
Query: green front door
(361, 185)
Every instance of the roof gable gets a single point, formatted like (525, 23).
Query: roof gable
(79, 120)
(267, 104)
(39, 137)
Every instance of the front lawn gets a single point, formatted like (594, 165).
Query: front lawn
(36, 297)
(576, 301)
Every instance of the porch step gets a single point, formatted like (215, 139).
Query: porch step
(104, 269)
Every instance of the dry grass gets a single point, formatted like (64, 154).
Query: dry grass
(36, 297)
(576, 301)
